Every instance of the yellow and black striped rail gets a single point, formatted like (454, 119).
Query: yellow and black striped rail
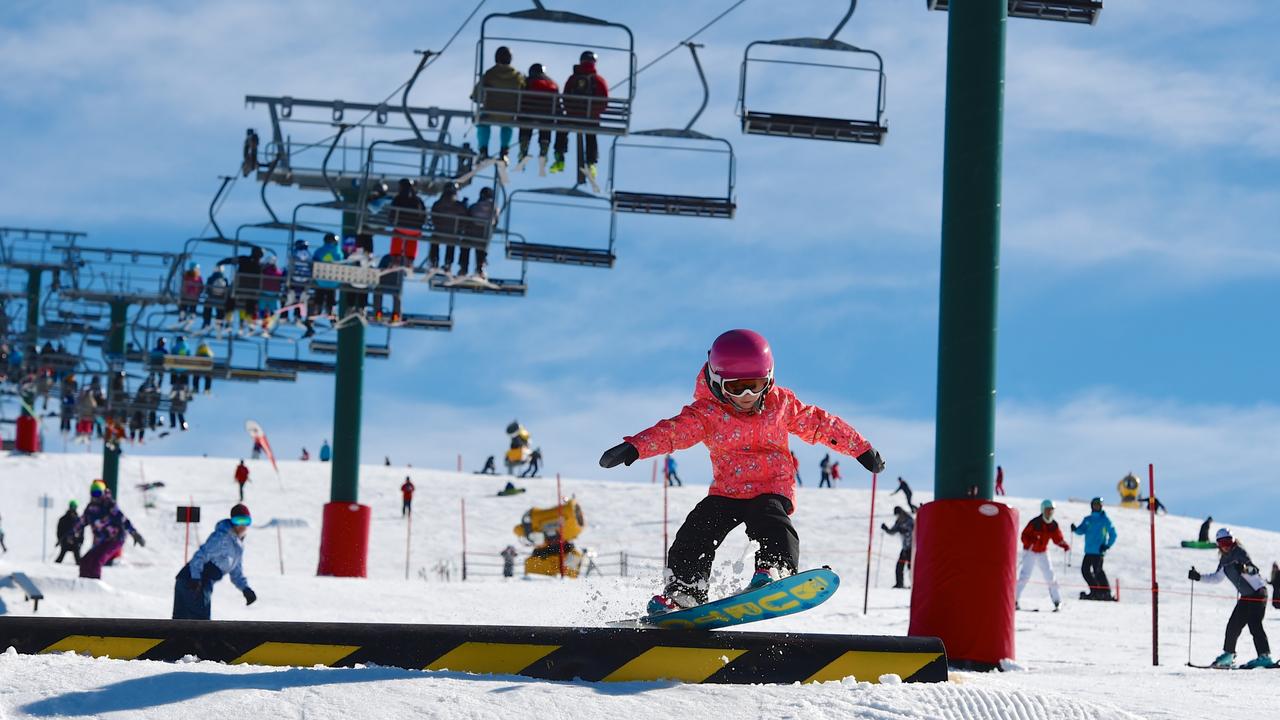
(593, 654)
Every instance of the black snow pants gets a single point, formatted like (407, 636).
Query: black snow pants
(1095, 578)
(711, 520)
(904, 562)
(1249, 611)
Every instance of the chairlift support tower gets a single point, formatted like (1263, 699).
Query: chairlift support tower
(965, 428)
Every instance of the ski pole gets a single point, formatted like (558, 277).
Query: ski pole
(879, 557)
(1191, 618)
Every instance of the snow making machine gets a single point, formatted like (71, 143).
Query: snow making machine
(551, 531)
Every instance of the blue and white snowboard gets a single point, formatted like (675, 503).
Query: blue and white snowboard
(789, 595)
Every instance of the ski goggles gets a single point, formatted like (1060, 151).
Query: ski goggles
(744, 387)
(241, 520)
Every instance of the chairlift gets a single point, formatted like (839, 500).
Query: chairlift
(1084, 12)
(869, 131)
(571, 199)
(508, 287)
(330, 347)
(285, 161)
(690, 140)
(531, 109)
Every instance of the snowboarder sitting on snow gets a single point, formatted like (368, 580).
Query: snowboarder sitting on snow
(1035, 541)
(1099, 535)
(222, 554)
(1234, 564)
(109, 527)
(744, 420)
(902, 525)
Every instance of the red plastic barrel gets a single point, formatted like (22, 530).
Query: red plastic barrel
(344, 540)
(964, 579)
(27, 439)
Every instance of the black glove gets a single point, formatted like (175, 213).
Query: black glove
(620, 454)
(884, 527)
(1073, 527)
(1103, 550)
(250, 597)
(1193, 575)
(137, 539)
(872, 461)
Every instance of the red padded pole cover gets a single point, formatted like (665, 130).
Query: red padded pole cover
(964, 578)
(344, 540)
(27, 438)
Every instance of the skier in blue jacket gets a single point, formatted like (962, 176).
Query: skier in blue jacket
(222, 554)
(1099, 535)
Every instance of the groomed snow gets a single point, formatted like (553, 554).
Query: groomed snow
(1092, 660)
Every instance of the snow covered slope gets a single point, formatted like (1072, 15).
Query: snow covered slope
(1093, 660)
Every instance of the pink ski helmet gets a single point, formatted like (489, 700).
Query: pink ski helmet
(739, 355)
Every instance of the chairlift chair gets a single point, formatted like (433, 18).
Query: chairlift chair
(869, 131)
(1084, 12)
(284, 161)
(688, 140)
(530, 109)
(569, 198)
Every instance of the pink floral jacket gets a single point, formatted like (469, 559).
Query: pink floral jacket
(749, 451)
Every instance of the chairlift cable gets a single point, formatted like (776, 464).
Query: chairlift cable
(402, 85)
(680, 44)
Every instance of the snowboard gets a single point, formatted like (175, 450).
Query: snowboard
(800, 592)
(1200, 545)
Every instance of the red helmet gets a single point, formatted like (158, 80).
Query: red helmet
(739, 355)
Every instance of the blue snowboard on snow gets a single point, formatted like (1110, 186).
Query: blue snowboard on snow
(794, 594)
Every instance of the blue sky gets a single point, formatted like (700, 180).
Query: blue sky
(1138, 269)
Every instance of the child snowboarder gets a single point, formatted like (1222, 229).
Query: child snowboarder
(109, 526)
(1036, 537)
(744, 420)
(1234, 564)
(1099, 535)
(222, 554)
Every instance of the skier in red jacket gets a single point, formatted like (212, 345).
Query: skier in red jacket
(242, 477)
(1036, 537)
(538, 81)
(744, 419)
(586, 96)
(406, 492)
